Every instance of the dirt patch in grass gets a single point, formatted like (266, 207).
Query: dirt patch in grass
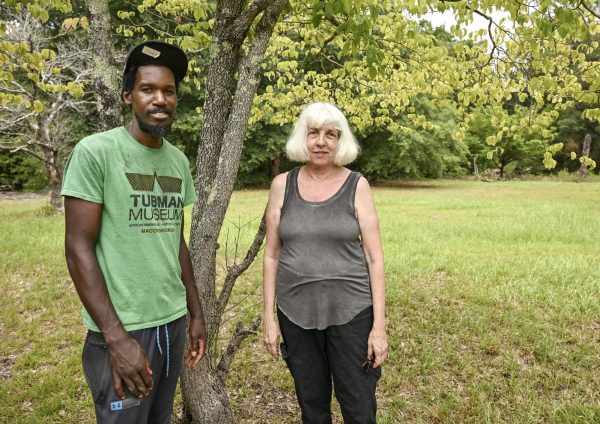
(6, 363)
(266, 403)
(17, 195)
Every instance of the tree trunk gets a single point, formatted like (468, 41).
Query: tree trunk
(212, 399)
(226, 111)
(275, 166)
(55, 183)
(54, 178)
(105, 76)
(585, 153)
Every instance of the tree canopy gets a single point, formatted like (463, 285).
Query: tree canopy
(380, 62)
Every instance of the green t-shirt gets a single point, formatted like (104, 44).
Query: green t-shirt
(143, 192)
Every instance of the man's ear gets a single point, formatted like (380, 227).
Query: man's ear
(127, 97)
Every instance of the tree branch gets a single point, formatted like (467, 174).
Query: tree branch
(236, 270)
(236, 340)
(589, 9)
(494, 46)
(243, 23)
(24, 150)
(336, 25)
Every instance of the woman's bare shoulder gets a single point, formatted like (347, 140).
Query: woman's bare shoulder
(363, 185)
(277, 191)
(279, 182)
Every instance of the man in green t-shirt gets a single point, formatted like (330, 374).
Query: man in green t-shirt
(125, 190)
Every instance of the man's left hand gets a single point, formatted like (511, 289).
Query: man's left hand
(197, 345)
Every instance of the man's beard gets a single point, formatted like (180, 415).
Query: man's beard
(158, 130)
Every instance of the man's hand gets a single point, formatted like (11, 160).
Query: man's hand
(197, 345)
(130, 365)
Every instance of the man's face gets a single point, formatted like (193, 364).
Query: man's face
(153, 99)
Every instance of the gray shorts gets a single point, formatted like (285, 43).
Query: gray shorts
(164, 347)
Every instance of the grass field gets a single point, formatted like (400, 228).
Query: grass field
(493, 309)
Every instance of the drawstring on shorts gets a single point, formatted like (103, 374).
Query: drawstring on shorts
(159, 348)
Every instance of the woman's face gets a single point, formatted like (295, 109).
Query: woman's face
(322, 144)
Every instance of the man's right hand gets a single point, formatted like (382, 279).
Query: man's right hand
(130, 365)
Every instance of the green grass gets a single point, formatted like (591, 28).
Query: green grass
(493, 309)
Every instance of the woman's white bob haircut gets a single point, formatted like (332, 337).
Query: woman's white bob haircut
(315, 116)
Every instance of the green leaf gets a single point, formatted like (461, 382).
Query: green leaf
(316, 19)
(199, 13)
(371, 55)
(346, 5)
(549, 161)
(68, 24)
(84, 23)
(372, 72)
(563, 31)
(38, 106)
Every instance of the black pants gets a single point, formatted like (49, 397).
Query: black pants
(158, 405)
(339, 351)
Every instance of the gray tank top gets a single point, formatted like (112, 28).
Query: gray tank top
(322, 278)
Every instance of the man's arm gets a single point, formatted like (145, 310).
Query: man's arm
(197, 328)
(128, 360)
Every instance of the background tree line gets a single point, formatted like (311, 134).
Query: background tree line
(404, 148)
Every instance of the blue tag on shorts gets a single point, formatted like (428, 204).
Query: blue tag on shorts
(119, 405)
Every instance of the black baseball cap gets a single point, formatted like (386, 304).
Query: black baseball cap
(158, 53)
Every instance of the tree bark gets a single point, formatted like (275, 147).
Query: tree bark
(54, 178)
(104, 75)
(50, 154)
(204, 396)
(226, 111)
(275, 166)
(585, 152)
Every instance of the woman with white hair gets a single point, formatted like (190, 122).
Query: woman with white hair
(323, 261)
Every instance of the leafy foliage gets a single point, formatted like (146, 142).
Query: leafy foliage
(516, 137)
(378, 63)
(22, 172)
(44, 68)
(416, 153)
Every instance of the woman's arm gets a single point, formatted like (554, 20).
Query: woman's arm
(270, 264)
(371, 241)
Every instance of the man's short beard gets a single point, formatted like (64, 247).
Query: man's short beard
(158, 130)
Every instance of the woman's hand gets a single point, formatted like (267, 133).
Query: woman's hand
(271, 336)
(378, 346)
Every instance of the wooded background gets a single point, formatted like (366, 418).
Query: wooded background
(424, 102)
